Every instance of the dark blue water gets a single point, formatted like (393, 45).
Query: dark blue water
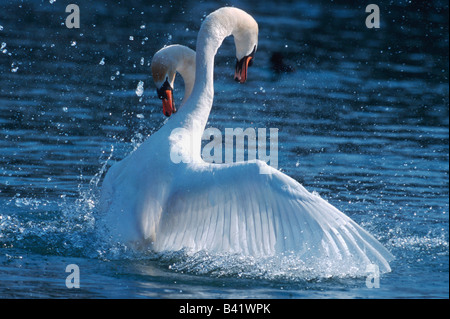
(363, 120)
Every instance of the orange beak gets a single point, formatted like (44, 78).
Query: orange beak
(168, 104)
(240, 73)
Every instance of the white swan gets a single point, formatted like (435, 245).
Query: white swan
(165, 64)
(189, 204)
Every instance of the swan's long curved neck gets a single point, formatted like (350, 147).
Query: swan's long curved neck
(192, 117)
(198, 106)
(185, 60)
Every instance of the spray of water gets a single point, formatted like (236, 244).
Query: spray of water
(69, 226)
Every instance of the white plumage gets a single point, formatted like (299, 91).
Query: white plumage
(194, 205)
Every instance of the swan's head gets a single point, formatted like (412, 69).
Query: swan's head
(165, 93)
(165, 65)
(244, 29)
(246, 42)
(164, 77)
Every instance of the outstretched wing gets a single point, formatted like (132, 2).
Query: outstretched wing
(235, 208)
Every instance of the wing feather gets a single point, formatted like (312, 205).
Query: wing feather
(234, 208)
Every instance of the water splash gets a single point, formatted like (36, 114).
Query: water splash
(285, 267)
(69, 226)
(72, 227)
(421, 243)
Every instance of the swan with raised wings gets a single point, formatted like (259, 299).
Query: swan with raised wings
(165, 195)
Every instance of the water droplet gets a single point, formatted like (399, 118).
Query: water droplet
(140, 88)
(14, 68)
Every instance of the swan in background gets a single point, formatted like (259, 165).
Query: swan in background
(165, 64)
(165, 197)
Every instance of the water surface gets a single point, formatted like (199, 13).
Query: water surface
(363, 121)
